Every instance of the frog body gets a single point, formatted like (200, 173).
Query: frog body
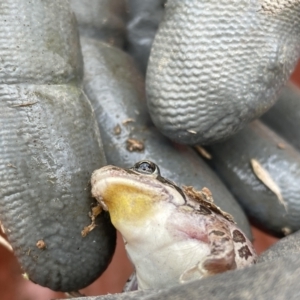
(171, 234)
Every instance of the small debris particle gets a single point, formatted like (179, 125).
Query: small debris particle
(117, 130)
(2, 227)
(87, 229)
(5, 244)
(129, 120)
(11, 166)
(24, 104)
(28, 252)
(96, 211)
(25, 276)
(286, 231)
(203, 152)
(192, 131)
(134, 145)
(74, 294)
(136, 112)
(281, 146)
(207, 194)
(41, 244)
(264, 176)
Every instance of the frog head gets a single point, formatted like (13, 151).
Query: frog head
(135, 196)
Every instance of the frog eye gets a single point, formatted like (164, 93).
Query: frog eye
(146, 167)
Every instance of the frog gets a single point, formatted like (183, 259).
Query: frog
(171, 234)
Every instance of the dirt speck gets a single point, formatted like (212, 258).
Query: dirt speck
(265, 177)
(24, 104)
(96, 210)
(117, 130)
(192, 131)
(134, 145)
(41, 244)
(281, 146)
(25, 276)
(127, 121)
(203, 152)
(11, 166)
(286, 231)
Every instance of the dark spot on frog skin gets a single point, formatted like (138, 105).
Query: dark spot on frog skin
(225, 239)
(203, 210)
(244, 252)
(238, 237)
(217, 232)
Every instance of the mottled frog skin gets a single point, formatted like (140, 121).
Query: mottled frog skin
(171, 234)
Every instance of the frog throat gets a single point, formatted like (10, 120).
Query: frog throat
(129, 201)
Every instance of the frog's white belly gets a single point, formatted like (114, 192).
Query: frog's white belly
(162, 253)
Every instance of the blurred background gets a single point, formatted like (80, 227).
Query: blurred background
(14, 287)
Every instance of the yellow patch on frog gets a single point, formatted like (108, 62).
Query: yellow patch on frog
(128, 203)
